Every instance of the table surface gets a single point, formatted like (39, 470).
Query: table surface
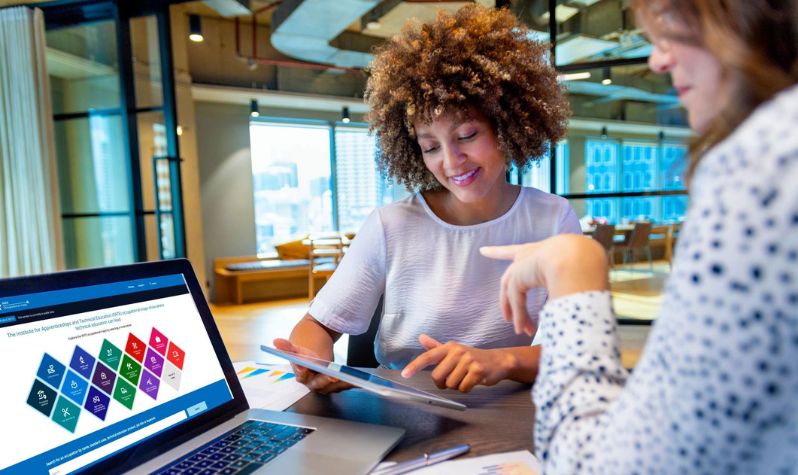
(625, 228)
(498, 419)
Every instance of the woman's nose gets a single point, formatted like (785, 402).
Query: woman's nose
(661, 59)
(452, 156)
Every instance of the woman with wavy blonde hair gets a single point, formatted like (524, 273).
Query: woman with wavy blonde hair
(453, 103)
(716, 388)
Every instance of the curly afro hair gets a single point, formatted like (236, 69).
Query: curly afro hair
(474, 59)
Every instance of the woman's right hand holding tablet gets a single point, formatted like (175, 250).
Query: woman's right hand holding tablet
(317, 382)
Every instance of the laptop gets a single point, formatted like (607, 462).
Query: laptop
(122, 369)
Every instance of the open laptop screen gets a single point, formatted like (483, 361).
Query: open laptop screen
(90, 371)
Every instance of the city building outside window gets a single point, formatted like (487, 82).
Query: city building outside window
(293, 184)
(643, 166)
(291, 181)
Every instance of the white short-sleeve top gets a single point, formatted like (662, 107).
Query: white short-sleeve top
(432, 276)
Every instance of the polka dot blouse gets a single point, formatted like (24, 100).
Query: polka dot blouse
(716, 388)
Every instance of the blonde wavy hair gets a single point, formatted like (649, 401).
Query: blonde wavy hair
(755, 41)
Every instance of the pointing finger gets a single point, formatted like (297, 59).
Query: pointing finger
(428, 342)
(423, 360)
(500, 252)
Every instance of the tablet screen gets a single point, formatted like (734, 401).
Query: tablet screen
(363, 379)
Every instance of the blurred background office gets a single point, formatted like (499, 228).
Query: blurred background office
(231, 132)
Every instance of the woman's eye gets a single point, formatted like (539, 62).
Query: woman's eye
(429, 149)
(469, 136)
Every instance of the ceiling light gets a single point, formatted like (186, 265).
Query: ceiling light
(195, 28)
(253, 108)
(345, 115)
(607, 77)
(574, 76)
(562, 13)
(373, 25)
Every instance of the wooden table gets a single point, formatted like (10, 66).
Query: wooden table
(667, 231)
(620, 229)
(498, 418)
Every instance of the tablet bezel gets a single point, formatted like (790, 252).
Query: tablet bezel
(398, 391)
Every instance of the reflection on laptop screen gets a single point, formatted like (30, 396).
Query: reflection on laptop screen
(90, 371)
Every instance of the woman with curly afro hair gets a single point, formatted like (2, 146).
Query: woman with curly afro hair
(453, 103)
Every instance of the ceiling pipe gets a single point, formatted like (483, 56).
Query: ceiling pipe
(255, 25)
(303, 29)
(229, 8)
(254, 59)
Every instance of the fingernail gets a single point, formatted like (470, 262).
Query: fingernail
(405, 373)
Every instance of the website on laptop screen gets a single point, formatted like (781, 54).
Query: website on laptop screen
(90, 371)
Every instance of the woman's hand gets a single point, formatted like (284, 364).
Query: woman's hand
(564, 264)
(459, 366)
(320, 383)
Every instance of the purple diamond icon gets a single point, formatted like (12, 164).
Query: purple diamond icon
(153, 362)
(149, 384)
(104, 378)
(97, 403)
(82, 362)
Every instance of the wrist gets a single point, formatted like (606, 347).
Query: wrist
(521, 363)
(509, 363)
(583, 270)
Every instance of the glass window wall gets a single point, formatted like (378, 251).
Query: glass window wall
(296, 192)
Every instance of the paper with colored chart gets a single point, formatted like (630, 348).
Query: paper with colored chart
(521, 462)
(269, 386)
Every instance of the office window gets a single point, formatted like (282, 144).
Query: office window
(601, 176)
(673, 166)
(639, 166)
(163, 194)
(672, 169)
(291, 181)
(359, 185)
(643, 166)
(538, 174)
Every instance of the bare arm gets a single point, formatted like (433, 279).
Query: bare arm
(311, 338)
(314, 336)
(524, 363)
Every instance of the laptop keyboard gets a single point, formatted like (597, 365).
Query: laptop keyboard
(239, 451)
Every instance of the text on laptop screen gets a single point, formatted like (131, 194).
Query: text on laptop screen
(93, 370)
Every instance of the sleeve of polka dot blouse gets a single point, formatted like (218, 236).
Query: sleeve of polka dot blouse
(580, 374)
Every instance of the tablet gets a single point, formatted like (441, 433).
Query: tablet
(376, 384)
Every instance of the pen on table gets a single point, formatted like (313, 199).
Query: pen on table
(426, 459)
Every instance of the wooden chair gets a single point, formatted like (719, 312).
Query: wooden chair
(670, 241)
(638, 238)
(325, 252)
(604, 235)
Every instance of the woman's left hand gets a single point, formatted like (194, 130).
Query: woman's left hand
(459, 366)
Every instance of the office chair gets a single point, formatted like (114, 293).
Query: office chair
(325, 252)
(604, 234)
(637, 239)
(360, 350)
